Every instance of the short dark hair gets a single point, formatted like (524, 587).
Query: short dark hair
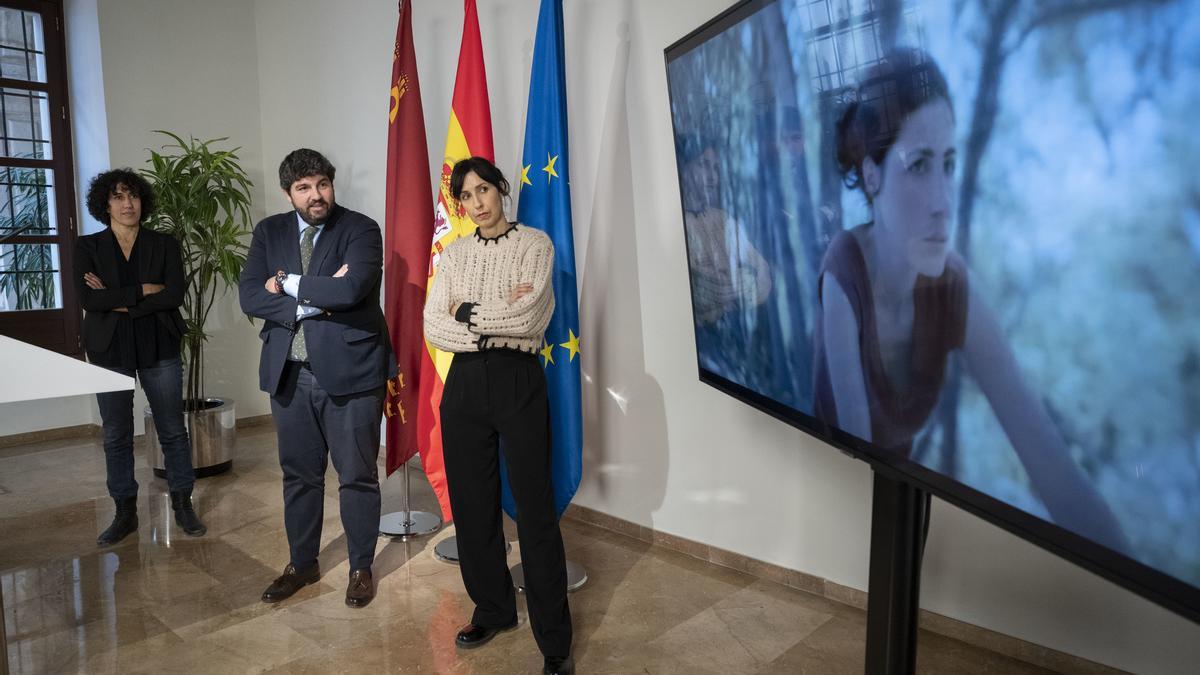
(902, 82)
(483, 168)
(303, 163)
(105, 185)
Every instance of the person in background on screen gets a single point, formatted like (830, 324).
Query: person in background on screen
(131, 283)
(896, 300)
(490, 303)
(728, 273)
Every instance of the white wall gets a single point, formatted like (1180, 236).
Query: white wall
(661, 449)
(89, 123)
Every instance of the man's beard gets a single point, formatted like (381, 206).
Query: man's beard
(315, 221)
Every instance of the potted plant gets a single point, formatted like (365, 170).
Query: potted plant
(204, 201)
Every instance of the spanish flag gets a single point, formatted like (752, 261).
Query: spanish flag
(469, 135)
(408, 226)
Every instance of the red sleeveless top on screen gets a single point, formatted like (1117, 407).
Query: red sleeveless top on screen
(939, 327)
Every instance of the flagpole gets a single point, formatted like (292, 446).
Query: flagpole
(407, 524)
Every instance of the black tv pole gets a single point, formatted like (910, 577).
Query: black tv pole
(899, 516)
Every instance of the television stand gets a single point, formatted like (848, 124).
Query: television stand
(899, 519)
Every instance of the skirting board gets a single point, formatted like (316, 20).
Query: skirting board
(93, 431)
(1022, 650)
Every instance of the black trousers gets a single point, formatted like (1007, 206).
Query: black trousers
(489, 397)
(313, 426)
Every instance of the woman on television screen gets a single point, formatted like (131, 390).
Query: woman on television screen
(896, 299)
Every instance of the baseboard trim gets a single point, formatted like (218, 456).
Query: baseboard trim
(95, 430)
(1016, 648)
(58, 434)
(253, 421)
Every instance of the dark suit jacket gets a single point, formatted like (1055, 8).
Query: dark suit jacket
(159, 262)
(348, 346)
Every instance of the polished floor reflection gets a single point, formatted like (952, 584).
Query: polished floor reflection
(162, 602)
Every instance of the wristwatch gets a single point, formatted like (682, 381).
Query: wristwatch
(280, 277)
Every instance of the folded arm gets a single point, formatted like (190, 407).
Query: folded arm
(291, 286)
(170, 296)
(364, 258)
(528, 315)
(442, 330)
(252, 293)
(100, 299)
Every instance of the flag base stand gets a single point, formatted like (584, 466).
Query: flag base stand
(576, 577)
(406, 524)
(446, 550)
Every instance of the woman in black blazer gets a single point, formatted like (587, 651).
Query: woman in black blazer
(131, 282)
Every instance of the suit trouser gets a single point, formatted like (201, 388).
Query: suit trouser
(489, 397)
(313, 426)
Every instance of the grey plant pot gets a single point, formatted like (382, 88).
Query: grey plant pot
(213, 433)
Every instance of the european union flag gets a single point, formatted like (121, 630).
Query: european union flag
(545, 203)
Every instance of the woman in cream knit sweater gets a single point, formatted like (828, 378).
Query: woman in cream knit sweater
(490, 303)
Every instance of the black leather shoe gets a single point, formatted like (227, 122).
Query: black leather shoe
(361, 590)
(472, 636)
(289, 582)
(124, 523)
(185, 516)
(556, 665)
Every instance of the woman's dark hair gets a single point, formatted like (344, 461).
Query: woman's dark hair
(303, 163)
(105, 185)
(486, 171)
(903, 81)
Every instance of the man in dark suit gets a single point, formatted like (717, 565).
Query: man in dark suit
(313, 276)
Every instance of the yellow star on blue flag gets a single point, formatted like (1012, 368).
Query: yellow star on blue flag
(571, 345)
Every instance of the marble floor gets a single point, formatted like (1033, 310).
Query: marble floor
(161, 602)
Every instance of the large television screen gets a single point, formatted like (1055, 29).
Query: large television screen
(961, 240)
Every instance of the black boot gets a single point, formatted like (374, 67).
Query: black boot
(185, 517)
(124, 522)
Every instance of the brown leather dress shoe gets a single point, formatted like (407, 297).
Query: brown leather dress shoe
(361, 590)
(289, 582)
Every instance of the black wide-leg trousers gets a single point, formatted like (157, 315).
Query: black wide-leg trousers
(489, 397)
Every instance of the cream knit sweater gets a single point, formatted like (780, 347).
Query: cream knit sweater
(480, 273)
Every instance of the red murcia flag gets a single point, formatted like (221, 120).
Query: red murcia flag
(408, 227)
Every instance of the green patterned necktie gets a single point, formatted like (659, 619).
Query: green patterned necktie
(299, 349)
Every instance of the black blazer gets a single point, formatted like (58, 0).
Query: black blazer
(159, 262)
(348, 346)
